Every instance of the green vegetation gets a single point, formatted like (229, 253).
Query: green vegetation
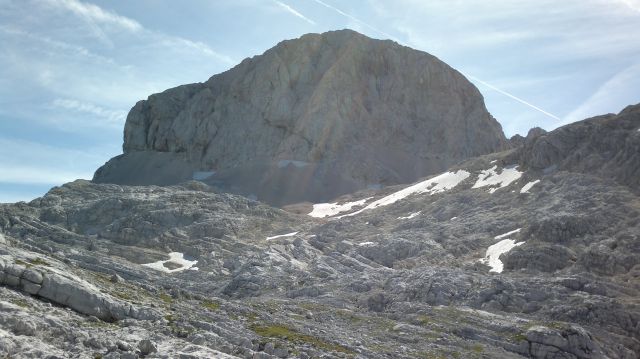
(478, 348)
(423, 320)
(23, 263)
(21, 303)
(165, 298)
(210, 305)
(292, 336)
(519, 337)
(39, 262)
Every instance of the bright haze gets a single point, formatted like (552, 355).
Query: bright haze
(70, 70)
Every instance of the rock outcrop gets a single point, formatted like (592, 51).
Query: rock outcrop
(607, 146)
(493, 258)
(310, 119)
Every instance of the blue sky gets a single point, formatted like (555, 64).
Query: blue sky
(70, 70)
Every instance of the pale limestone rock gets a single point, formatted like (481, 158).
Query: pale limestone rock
(348, 111)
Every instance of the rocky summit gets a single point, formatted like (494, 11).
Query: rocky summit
(308, 120)
(530, 251)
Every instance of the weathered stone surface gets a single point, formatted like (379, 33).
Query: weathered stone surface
(568, 342)
(607, 146)
(147, 347)
(332, 112)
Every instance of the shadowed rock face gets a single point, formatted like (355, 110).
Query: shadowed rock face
(607, 146)
(352, 111)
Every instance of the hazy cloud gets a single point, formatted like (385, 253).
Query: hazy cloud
(294, 12)
(95, 14)
(111, 116)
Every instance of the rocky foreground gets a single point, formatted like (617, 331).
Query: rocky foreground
(531, 252)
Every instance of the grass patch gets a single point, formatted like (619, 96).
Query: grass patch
(423, 320)
(166, 298)
(21, 303)
(210, 305)
(23, 263)
(39, 262)
(292, 336)
(124, 296)
(478, 348)
(520, 337)
(348, 315)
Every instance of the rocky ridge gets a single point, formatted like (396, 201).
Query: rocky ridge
(497, 257)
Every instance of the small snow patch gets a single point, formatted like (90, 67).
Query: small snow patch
(176, 259)
(490, 177)
(507, 234)
(527, 187)
(322, 210)
(453, 218)
(492, 257)
(366, 244)
(282, 235)
(412, 215)
(441, 183)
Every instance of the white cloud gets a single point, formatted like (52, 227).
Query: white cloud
(111, 116)
(294, 12)
(95, 14)
(631, 4)
(613, 95)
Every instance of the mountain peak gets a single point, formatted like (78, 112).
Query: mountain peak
(348, 111)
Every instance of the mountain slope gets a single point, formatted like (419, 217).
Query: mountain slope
(335, 112)
(493, 258)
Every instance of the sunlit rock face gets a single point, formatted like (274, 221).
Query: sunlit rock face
(310, 119)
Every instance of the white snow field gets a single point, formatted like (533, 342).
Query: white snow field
(322, 210)
(492, 178)
(507, 234)
(412, 215)
(527, 187)
(174, 257)
(492, 256)
(282, 235)
(441, 183)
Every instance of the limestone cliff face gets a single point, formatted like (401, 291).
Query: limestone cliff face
(346, 110)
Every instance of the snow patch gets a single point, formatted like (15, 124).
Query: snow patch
(321, 210)
(175, 258)
(453, 218)
(282, 235)
(441, 183)
(365, 244)
(492, 257)
(412, 215)
(491, 177)
(527, 187)
(507, 234)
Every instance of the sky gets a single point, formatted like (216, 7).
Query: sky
(70, 70)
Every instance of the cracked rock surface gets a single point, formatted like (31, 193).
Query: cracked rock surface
(341, 109)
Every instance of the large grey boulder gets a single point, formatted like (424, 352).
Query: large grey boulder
(310, 119)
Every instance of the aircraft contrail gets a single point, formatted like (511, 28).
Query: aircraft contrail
(505, 93)
(511, 96)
